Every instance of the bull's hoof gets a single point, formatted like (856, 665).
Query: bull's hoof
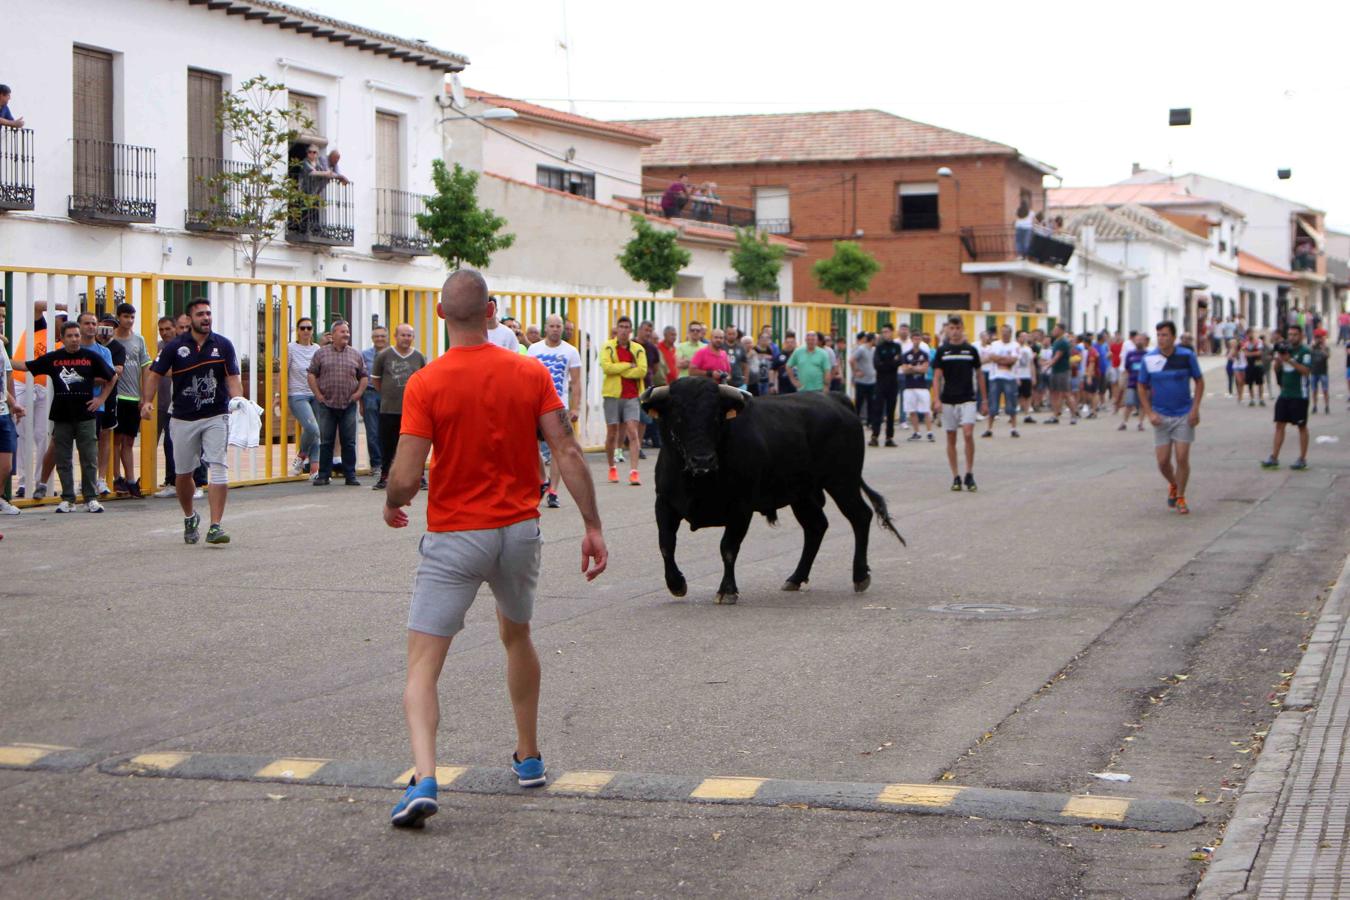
(727, 599)
(793, 585)
(860, 586)
(678, 588)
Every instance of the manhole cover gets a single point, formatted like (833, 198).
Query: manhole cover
(988, 610)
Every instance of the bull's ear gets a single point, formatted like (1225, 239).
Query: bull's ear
(653, 401)
(730, 414)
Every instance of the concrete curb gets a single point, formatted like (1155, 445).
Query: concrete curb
(1253, 817)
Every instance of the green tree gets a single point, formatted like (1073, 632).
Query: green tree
(653, 257)
(847, 272)
(253, 196)
(461, 233)
(757, 262)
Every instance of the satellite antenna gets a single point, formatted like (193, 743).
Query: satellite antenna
(457, 91)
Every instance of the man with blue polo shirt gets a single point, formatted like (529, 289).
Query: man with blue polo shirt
(1164, 387)
(206, 388)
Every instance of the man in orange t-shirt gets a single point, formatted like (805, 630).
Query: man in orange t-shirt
(479, 408)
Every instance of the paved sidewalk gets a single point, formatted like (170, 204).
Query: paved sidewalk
(1288, 837)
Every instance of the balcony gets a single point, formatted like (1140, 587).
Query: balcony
(331, 223)
(16, 168)
(114, 183)
(698, 211)
(216, 204)
(396, 229)
(998, 243)
(774, 226)
(1304, 262)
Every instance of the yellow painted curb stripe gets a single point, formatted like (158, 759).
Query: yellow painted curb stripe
(444, 775)
(158, 761)
(1112, 809)
(581, 782)
(25, 754)
(729, 788)
(919, 794)
(295, 767)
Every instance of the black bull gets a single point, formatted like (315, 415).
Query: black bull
(726, 456)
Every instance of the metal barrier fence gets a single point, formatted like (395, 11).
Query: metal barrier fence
(259, 317)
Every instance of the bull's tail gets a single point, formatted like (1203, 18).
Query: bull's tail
(883, 515)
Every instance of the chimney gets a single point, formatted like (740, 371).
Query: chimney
(1135, 168)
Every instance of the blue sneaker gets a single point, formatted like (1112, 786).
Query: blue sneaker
(529, 771)
(418, 804)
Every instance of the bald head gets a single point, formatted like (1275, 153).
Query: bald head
(464, 298)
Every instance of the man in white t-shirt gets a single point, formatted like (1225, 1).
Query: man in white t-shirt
(564, 364)
(1023, 372)
(1001, 356)
(499, 334)
(300, 399)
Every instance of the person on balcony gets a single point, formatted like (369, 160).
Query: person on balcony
(314, 177)
(7, 118)
(1022, 230)
(675, 197)
(334, 157)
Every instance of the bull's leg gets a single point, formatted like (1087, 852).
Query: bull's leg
(732, 536)
(811, 515)
(851, 504)
(667, 524)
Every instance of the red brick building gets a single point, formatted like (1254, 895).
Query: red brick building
(935, 207)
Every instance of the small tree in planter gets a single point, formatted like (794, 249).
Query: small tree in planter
(461, 233)
(653, 256)
(757, 263)
(847, 272)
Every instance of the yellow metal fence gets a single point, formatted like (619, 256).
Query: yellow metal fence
(259, 317)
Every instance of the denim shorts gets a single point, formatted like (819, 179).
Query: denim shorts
(1005, 388)
(1321, 381)
(9, 438)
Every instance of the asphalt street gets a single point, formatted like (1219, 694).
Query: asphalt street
(1058, 623)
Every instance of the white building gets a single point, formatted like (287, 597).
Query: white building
(1138, 255)
(119, 101)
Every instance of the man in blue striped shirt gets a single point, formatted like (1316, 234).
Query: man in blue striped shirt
(1165, 397)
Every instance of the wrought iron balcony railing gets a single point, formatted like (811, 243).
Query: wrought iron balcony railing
(113, 182)
(703, 211)
(215, 203)
(774, 226)
(331, 222)
(396, 229)
(16, 168)
(998, 243)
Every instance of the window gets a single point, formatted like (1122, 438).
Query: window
(944, 301)
(204, 135)
(580, 183)
(771, 210)
(308, 106)
(93, 96)
(388, 158)
(917, 207)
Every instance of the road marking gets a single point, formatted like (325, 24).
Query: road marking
(727, 788)
(581, 782)
(294, 768)
(159, 762)
(445, 775)
(1112, 809)
(919, 794)
(23, 755)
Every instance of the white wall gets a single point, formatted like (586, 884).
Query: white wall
(1268, 233)
(617, 166)
(1159, 292)
(156, 42)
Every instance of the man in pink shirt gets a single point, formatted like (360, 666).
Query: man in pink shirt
(712, 361)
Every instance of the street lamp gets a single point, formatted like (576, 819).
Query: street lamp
(946, 172)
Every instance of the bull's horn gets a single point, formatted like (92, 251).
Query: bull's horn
(652, 396)
(731, 397)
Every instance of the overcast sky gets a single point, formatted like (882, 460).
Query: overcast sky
(1084, 86)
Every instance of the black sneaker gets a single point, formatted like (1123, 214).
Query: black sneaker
(351, 482)
(930, 437)
(380, 485)
(890, 442)
(1050, 421)
(1028, 421)
(874, 443)
(915, 437)
(970, 482)
(553, 501)
(987, 433)
(191, 524)
(322, 481)
(956, 484)
(1014, 433)
(18, 495)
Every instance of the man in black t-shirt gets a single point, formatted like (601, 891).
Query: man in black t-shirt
(886, 360)
(81, 382)
(955, 365)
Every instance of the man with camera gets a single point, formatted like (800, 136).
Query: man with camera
(1293, 364)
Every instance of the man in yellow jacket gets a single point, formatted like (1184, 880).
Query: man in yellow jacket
(624, 363)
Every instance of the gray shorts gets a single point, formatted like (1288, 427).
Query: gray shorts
(619, 410)
(1173, 430)
(956, 415)
(1132, 397)
(1060, 382)
(198, 441)
(455, 564)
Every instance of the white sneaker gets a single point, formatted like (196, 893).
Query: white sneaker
(65, 506)
(103, 487)
(8, 509)
(299, 465)
(94, 506)
(166, 492)
(618, 455)
(904, 425)
(198, 494)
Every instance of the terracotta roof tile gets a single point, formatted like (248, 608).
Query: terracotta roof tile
(534, 111)
(804, 137)
(1256, 267)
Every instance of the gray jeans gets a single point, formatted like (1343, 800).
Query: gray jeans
(84, 437)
